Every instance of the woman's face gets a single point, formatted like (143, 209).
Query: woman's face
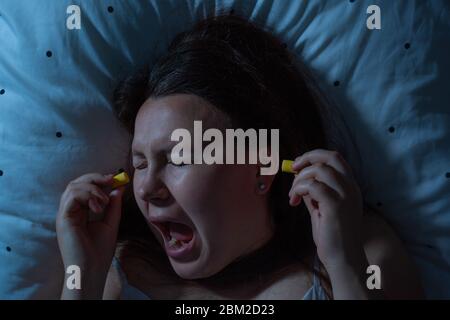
(226, 213)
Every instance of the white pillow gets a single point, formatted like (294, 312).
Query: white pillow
(60, 80)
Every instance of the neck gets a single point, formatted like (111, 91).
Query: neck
(252, 268)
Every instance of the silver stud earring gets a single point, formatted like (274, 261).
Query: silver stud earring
(261, 186)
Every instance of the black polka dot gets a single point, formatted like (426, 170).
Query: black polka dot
(8, 249)
(59, 134)
(337, 83)
(120, 170)
(110, 9)
(1, 172)
(391, 129)
(2, 91)
(447, 175)
(407, 46)
(49, 53)
(379, 204)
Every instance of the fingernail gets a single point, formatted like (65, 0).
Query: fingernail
(296, 166)
(97, 207)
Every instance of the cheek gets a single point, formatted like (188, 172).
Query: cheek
(232, 187)
(214, 187)
(141, 204)
(217, 198)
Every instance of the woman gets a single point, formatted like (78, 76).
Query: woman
(229, 232)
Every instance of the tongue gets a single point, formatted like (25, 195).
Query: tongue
(180, 231)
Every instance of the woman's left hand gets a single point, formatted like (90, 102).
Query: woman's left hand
(333, 198)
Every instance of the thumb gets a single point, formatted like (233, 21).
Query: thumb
(114, 210)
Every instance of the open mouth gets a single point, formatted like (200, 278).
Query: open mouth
(176, 235)
(179, 239)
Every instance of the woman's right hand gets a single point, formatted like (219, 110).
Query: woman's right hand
(90, 245)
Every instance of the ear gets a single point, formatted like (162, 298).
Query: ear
(263, 182)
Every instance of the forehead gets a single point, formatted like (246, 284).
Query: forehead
(159, 117)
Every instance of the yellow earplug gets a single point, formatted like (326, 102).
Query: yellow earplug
(120, 180)
(286, 166)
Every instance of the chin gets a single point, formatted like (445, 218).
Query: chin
(187, 273)
(193, 271)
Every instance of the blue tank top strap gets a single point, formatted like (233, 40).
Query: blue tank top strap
(316, 280)
(128, 291)
(116, 264)
(316, 292)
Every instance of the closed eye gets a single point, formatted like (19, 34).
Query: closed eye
(169, 161)
(140, 167)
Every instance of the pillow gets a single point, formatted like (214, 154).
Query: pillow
(56, 84)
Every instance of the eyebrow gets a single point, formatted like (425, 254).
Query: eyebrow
(136, 153)
(166, 151)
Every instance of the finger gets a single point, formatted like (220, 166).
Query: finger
(295, 200)
(318, 191)
(325, 174)
(94, 190)
(94, 205)
(313, 211)
(74, 199)
(308, 202)
(95, 178)
(114, 209)
(82, 193)
(101, 196)
(331, 158)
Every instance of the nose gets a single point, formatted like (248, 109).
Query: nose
(153, 190)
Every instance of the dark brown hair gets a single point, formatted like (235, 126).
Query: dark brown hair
(249, 75)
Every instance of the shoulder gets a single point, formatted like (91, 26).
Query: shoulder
(399, 276)
(290, 283)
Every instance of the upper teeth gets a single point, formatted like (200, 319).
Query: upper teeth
(174, 241)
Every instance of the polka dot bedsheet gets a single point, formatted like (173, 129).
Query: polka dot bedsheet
(385, 63)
